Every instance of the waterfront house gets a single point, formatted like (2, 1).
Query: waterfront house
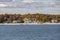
(14, 21)
(28, 20)
(54, 21)
(38, 21)
(8, 20)
(32, 20)
(20, 21)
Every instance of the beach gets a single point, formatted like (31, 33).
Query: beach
(28, 23)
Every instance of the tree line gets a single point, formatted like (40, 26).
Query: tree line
(41, 17)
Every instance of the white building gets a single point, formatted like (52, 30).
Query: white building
(54, 21)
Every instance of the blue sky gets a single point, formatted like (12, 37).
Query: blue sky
(30, 6)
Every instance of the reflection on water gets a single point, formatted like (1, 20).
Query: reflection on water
(32, 32)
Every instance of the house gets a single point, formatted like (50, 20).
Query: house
(20, 21)
(28, 20)
(8, 20)
(14, 21)
(54, 21)
(32, 20)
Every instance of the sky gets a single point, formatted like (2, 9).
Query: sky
(30, 6)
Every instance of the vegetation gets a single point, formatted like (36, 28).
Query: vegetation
(37, 17)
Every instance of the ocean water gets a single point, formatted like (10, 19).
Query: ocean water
(30, 32)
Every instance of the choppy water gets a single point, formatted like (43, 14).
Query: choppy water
(30, 32)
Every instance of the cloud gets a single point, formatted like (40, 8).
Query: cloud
(28, 1)
(3, 5)
(13, 0)
(6, 0)
(44, 6)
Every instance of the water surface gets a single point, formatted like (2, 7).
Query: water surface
(29, 32)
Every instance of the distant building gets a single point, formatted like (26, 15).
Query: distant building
(28, 20)
(20, 21)
(32, 20)
(8, 20)
(54, 21)
(14, 21)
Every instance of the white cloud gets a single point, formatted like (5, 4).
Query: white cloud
(6, 5)
(14, 0)
(3, 5)
(28, 1)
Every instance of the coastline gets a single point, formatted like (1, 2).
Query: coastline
(29, 23)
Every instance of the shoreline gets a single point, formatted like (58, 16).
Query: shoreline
(29, 23)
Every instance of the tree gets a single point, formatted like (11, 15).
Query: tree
(1, 19)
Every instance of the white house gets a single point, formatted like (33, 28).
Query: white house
(54, 21)
(14, 21)
(28, 20)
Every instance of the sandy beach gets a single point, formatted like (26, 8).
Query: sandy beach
(28, 23)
